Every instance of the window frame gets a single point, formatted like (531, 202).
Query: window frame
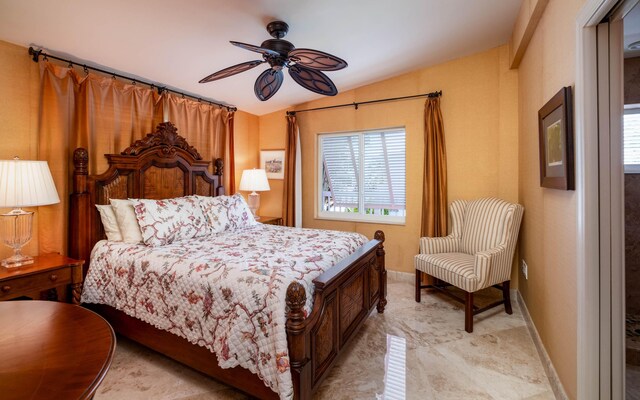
(360, 216)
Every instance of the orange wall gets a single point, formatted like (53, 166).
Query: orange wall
(548, 234)
(273, 129)
(19, 97)
(245, 140)
(479, 107)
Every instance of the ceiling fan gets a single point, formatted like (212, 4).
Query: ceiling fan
(304, 65)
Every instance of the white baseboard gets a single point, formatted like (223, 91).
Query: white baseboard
(399, 276)
(554, 380)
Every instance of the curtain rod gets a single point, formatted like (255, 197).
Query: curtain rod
(355, 105)
(37, 53)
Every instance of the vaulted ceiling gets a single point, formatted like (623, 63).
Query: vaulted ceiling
(176, 43)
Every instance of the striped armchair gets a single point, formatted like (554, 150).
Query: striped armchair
(476, 254)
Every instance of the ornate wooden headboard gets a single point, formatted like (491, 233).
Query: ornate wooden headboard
(160, 166)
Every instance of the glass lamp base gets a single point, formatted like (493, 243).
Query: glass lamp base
(15, 229)
(254, 204)
(16, 260)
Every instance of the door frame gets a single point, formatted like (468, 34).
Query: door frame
(600, 200)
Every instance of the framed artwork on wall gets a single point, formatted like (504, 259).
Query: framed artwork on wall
(272, 161)
(555, 122)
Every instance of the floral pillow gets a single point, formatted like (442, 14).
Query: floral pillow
(165, 221)
(226, 213)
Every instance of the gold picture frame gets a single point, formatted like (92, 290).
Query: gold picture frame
(272, 161)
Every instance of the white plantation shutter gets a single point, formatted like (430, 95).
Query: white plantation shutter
(632, 137)
(341, 156)
(364, 173)
(384, 170)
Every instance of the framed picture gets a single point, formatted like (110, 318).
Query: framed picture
(555, 122)
(272, 161)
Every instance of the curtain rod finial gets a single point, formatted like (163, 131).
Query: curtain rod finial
(35, 53)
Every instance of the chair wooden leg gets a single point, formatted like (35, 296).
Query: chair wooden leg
(418, 284)
(506, 295)
(468, 313)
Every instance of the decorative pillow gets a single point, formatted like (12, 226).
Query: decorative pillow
(109, 223)
(224, 213)
(165, 221)
(127, 222)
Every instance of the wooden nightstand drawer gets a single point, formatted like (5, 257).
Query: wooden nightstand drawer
(15, 287)
(50, 276)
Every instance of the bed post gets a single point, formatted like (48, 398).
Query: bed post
(219, 167)
(79, 209)
(379, 235)
(299, 348)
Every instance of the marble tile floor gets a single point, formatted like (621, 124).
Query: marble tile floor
(497, 361)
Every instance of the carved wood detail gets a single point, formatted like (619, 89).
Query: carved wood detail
(118, 188)
(382, 269)
(374, 280)
(163, 183)
(352, 301)
(76, 293)
(325, 340)
(166, 138)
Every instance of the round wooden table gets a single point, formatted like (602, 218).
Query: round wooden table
(51, 350)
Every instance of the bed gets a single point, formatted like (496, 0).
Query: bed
(163, 165)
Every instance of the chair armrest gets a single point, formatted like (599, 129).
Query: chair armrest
(492, 266)
(434, 245)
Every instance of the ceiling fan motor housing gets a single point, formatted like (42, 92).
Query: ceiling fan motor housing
(278, 29)
(280, 46)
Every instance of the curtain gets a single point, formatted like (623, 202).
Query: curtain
(434, 191)
(209, 128)
(77, 110)
(292, 192)
(106, 115)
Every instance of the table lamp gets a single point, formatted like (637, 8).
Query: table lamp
(22, 184)
(254, 180)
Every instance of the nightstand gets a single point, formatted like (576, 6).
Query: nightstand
(270, 220)
(50, 277)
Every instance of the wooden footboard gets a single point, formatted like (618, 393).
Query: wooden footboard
(344, 297)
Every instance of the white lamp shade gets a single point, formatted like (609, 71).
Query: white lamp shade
(26, 183)
(254, 180)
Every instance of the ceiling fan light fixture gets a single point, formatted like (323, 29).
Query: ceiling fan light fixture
(304, 65)
(634, 46)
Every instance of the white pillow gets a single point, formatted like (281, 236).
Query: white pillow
(127, 222)
(109, 223)
(166, 221)
(226, 213)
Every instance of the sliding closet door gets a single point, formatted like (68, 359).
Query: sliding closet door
(611, 200)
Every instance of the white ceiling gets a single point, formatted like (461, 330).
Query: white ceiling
(176, 43)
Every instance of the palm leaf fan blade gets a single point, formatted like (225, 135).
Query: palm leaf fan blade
(261, 50)
(268, 84)
(317, 59)
(313, 80)
(234, 69)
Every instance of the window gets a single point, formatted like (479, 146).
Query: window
(632, 139)
(362, 176)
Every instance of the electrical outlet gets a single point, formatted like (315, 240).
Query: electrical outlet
(525, 269)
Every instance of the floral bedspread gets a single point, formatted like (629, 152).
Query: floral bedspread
(225, 292)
